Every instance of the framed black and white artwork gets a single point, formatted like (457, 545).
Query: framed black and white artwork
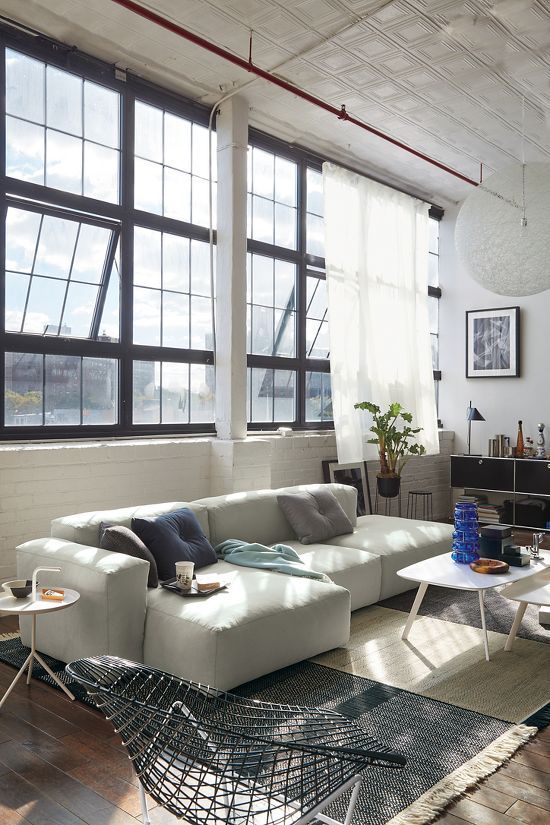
(355, 474)
(492, 343)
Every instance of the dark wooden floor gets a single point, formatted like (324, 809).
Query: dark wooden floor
(60, 764)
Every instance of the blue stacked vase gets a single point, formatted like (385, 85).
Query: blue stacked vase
(466, 533)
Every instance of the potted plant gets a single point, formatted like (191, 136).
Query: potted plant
(396, 441)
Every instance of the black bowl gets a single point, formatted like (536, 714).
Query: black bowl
(19, 590)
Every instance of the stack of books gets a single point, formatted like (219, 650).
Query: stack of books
(473, 499)
(491, 513)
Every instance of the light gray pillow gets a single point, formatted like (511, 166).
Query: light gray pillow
(315, 516)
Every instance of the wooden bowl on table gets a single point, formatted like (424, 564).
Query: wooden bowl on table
(489, 566)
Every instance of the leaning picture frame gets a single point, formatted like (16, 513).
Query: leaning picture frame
(355, 474)
(493, 343)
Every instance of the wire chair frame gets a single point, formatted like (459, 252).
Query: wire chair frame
(212, 756)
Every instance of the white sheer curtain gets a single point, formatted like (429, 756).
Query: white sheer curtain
(376, 252)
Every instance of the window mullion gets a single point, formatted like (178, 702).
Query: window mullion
(126, 259)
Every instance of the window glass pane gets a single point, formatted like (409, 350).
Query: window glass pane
(177, 194)
(200, 152)
(147, 257)
(316, 298)
(263, 173)
(175, 319)
(201, 323)
(285, 285)
(175, 262)
(262, 280)
(433, 270)
(17, 287)
(202, 393)
(99, 391)
(24, 86)
(148, 186)
(62, 404)
(23, 389)
(91, 251)
(56, 246)
(318, 397)
(101, 172)
(177, 142)
(285, 181)
(199, 205)
(284, 402)
(44, 306)
(200, 268)
(315, 192)
(63, 101)
(101, 115)
(262, 330)
(260, 401)
(147, 316)
(175, 393)
(146, 392)
(284, 334)
(317, 343)
(24, 151)
(63, 162)
(262, 220)
(435, 351)
(315, 235)
(109, 327)
(285, 226)
(79, 310)
(22, 229)
(148, 132)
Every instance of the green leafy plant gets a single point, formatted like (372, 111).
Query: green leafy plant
(394, 435)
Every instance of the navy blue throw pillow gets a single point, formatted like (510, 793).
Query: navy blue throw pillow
(175, 537)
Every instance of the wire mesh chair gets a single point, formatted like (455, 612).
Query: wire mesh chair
(214, 757)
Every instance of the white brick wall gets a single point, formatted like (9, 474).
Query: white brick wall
(39, 482)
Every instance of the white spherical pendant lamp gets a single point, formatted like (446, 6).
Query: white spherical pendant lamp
(502, 231)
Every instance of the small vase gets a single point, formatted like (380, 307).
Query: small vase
(466, 533)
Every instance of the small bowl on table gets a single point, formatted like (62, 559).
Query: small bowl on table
(19, 588)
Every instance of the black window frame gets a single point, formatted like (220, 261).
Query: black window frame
(16, 192)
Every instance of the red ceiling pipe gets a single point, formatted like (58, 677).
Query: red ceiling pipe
(249, 66)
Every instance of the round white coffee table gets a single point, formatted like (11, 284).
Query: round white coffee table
(535, 590)
(27, 607)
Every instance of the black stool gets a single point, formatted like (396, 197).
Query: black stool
(422, 498)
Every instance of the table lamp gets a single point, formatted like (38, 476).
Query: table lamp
(472, 414)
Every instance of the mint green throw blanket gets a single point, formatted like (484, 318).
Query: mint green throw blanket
(279, 557)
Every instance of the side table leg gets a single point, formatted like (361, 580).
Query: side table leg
(13, 684)
(58, 681)
(414, 609)
(522, 607)
(33, 647)
(483, 625)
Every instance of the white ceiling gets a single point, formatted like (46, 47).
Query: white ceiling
(445, 77)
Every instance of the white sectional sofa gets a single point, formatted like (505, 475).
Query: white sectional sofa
(264, 621)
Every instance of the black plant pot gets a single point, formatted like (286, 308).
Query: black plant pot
(388, 486)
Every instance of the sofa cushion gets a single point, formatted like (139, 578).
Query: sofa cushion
(358, 571)
(262, 622)
(121, 539)
(399, 542)
(83, 528)
(314, 516)
(175, 537)
(256, 515)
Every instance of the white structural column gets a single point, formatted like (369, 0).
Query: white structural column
(232, 134)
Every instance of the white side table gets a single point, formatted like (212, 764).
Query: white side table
(28, 607)
(535, 590)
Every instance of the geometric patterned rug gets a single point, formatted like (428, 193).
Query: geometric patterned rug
(448, 748)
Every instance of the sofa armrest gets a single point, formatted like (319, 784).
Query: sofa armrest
(108, 618)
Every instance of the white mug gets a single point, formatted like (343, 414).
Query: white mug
(184, 574)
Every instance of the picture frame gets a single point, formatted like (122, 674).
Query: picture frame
(355, 474)
(493, 343)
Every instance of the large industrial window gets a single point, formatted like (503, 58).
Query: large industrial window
(107, 295)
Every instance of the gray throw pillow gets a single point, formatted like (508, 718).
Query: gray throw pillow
(315, 516)
(123, 540)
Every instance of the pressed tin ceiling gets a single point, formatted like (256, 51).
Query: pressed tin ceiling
(445, 77)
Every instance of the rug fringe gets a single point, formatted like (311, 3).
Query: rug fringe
(428, 806)
(7, 636)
